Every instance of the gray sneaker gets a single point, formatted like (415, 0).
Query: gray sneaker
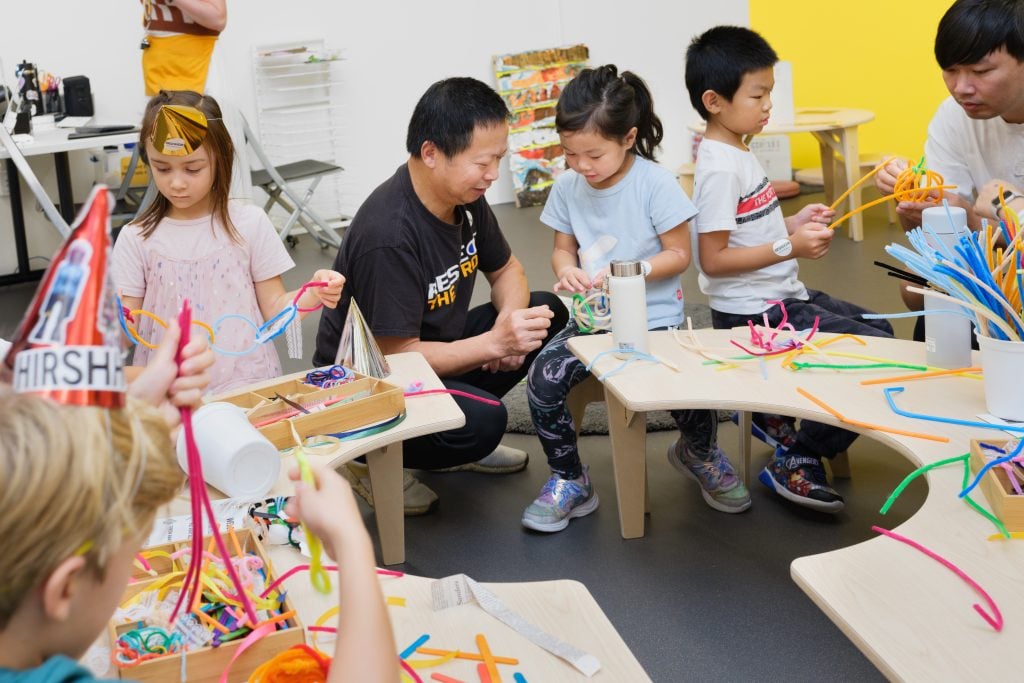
(418, 498)
(502, 460)
(559, 501)
(719, 485)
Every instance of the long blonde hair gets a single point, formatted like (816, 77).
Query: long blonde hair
(75, 480)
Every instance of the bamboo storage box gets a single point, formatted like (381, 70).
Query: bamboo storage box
(361, 402)
(208, 663)
(1005, 503)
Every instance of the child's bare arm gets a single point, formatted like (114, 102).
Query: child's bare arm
(365, 649)
(272, 297)
(718, 259)
(674, 256)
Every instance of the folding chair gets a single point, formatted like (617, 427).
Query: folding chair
(129, 200)
(33, 183)
(274, 179)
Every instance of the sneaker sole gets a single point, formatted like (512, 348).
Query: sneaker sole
(766, 478)
(579, 511)
(708, 498)
(484, 469)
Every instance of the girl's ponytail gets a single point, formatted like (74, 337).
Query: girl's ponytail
(600, 99)
(649, 130)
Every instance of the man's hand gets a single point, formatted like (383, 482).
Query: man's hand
(911, 211)
(988, 192)
(885, 179)
(811, 240)
(518, 332)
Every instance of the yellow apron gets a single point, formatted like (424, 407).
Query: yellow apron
(178, 62)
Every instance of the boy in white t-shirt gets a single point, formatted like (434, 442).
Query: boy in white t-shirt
(748, 250)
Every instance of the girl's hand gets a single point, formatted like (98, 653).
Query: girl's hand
(329, 510)
(573, 279)
(814, 213)
(331, 294)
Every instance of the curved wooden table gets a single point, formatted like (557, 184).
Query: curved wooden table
(909, 615)
(835, 129)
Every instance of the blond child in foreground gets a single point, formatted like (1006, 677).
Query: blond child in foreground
(81, 487)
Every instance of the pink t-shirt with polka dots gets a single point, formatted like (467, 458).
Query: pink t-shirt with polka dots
(196, 260)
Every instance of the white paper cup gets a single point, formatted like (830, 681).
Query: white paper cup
(1002, 363)
(237, 460)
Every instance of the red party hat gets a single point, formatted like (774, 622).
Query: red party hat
(67, 347)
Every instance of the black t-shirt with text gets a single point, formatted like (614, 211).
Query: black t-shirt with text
(411, 273)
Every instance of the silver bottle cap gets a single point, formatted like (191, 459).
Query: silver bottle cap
(626, 268)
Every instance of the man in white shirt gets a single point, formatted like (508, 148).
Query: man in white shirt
(976, 138)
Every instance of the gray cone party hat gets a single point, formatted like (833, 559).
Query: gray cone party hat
(358, 349)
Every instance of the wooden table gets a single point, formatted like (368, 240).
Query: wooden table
(910, 616)
(52, 142)
(565, 609)
(383, 451)
(835, 129)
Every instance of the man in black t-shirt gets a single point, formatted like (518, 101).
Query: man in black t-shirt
(410, 258)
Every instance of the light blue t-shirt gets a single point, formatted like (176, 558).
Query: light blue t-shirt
(623, 222)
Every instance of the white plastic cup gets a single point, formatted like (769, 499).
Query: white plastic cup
(947, 337)
(237, 460)
(1002, 364)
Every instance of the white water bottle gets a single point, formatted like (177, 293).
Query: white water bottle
(947, 337)
(628, 295)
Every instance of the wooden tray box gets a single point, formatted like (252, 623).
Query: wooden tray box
(1005, 503)
(206, 665)
(361, 402)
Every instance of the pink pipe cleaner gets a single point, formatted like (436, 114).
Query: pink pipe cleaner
(200, 500)
(302, 290)
(996, 621)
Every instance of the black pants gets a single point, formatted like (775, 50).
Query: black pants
(485, 424)
(834, 315)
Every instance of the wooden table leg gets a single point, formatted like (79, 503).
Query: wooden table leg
(851, 160)
(385, 465)
(744, 445)
(629, 458)
(827, 169)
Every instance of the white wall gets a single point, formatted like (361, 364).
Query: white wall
(393, 51)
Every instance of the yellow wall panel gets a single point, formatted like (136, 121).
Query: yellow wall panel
(870, 54)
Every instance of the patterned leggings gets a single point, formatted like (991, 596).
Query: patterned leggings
(554, 372)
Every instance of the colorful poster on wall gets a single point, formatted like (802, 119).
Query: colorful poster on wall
(530, 83)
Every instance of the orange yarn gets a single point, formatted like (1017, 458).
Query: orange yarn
(298, 664)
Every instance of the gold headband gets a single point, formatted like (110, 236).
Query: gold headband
(179, 130)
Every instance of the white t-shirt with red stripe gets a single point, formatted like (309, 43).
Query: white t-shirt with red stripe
(732, 193)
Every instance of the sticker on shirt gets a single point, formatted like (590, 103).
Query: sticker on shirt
(758, 204)
(441, 290)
